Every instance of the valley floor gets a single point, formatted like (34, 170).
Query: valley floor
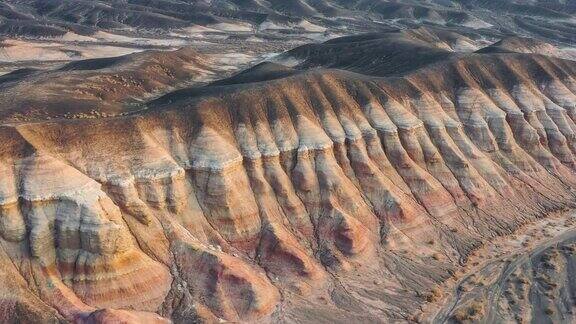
(525, 277)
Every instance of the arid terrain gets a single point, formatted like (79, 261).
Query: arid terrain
(287, 161)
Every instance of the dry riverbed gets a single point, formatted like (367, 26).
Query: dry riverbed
(527, 277)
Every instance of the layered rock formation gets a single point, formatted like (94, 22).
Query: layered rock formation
(284, 194)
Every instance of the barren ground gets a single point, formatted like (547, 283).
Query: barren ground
(487, 288)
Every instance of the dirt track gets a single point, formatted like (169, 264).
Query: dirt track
(492, 292)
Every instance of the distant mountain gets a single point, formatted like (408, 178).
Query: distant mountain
(550, 20)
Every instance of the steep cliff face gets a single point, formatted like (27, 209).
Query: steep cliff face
(262, 200)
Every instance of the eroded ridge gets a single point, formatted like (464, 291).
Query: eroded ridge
(216, 203)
